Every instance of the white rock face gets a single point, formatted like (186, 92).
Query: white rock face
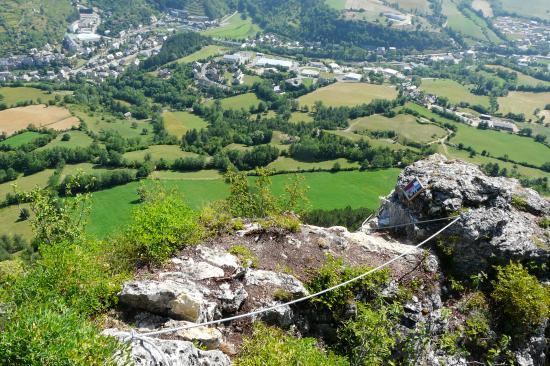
(160, 352)
(273, 279)
(211, 338)
(218, 257)
(181, 300)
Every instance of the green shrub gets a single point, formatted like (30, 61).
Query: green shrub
(544, 222)
(78, 276)
(522, 301)
(334, 272)
(285, 221)
(246, 256)
(50, 335)
(269, 346)
(366, 337)
(519, 202)
(161, 226)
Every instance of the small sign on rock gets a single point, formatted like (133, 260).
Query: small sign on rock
(413, 189)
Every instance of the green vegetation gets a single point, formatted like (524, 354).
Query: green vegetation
(238, 102)
(404, 125)
(348, 94)
(534, 9)
(271, 346)
(337, 4)
(178, 123)
(237, 27)
(76, 139)
(202, 54)
(289, 164)
(14, 95)
(523, 102)
(245, 255)
(523, 79)
(498, 144)
(453, 91)
(157, 152)
(32, 24)
(20, 139)
(326, 191)
(162, 225)
(522, 301)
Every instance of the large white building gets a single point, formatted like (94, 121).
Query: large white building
(271, 62)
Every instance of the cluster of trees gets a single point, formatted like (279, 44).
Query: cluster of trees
(538, 184)
(178, 45)
(95, 182)
(314, 21)
(351, 218)
(327, 146)
(120, 15)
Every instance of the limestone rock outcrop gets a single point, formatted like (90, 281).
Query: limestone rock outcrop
(498, 217)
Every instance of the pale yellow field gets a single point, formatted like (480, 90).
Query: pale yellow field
(348, 94)
(16, 119)
(523, 102)
(484, 6)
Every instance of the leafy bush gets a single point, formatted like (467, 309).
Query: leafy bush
(334, 272)
(78, 276)
(270, 346)
(46, 335)
(161, 226)
(519, 202)
(522, 301)
(366, 337)
(217, 219)
(258, 201)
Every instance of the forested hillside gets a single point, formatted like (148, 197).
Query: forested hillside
(32, 23)
(315, 21)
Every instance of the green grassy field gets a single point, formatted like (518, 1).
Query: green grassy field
(336, 4)
(348, 94)
(468, 23)
(251, 79)
(452, 90)
(178, 123)
(78, 139)
(234, 28)
(22, 94)
(403, 124)
(297, 117)
(393, 145)
(112, 208)
(239, 101)
(103, 121)
(26, 183)
(20, 139)
(200, 175)
(423, 6)
(532, 8)
(478, 160)
(497, 143)
(523, 79)
(10, 224)
(202, 54)
(289, 164)
(167, 152)
(523, 102)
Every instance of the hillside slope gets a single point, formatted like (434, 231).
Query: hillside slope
(496, 221)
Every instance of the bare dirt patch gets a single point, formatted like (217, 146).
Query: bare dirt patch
(17, 119)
